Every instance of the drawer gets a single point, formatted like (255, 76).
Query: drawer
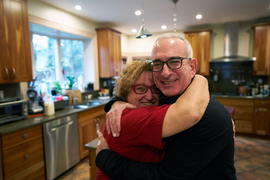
(21, 137)
(262, 103)
(21, 157)
(36, 171)
(235, 102)
(243, 126)
(243, 113)
(90, 114)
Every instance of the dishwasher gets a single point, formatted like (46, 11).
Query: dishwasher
(61, 144)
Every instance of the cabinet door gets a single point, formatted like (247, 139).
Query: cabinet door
(117, 54)
(4, 55)
(200, 42)
(262, 121)
(17, 65)
(262, 117)
(19, 35)
(261, 50)
(87, 133)
(203, 53)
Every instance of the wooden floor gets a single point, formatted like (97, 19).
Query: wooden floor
(252, 161)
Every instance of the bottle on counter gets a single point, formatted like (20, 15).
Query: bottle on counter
(49, 106)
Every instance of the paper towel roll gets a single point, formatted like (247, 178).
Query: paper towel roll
(80, 81)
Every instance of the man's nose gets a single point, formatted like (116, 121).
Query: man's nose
(166, 71)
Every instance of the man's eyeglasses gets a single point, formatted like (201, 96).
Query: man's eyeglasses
(173, 63)
(142, 89)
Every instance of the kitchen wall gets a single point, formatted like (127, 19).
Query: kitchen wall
(44, 14)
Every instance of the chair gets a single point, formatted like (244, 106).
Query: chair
(230, 110)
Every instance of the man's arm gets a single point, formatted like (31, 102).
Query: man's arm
(188, 109)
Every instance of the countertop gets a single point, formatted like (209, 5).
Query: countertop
(30, 122)
(242, 97)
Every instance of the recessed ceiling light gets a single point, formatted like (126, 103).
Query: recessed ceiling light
(134, 30)
(138, 12)
(78, 7)
(163, 27)
(199, 16)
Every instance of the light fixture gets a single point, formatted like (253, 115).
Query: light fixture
(143, 32)
(138, 12)
(134, 30)
(78, 7)
(163, 27)
(199, 16)
(174, 15)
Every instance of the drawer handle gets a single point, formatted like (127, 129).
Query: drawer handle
(25, 135)
(262, 103)
(14, 73)
(241, 112)
(6, 70)
(26, 156)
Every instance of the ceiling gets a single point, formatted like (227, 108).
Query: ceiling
(120, 14)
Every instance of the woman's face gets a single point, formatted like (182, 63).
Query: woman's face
(146, 99)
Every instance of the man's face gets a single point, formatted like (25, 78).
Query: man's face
(173, 82)
(146, 99)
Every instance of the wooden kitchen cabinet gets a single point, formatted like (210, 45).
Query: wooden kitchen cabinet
(109, 52)
(262, 117)
(87, 127)
(22, 154)
(243, 114)
(200, 42)
(261, 66)
(15, 53)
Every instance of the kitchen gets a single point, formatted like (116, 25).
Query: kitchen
(131, 48)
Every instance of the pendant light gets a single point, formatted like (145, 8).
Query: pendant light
(174, 16)
(143, 32)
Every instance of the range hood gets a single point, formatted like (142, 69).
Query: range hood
(231, 45)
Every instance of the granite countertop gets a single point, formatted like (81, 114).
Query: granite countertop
(242, 97)
(30, 122)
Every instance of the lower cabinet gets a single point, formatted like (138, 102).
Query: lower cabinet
(243, 113)
(262, 117)
(87, 127)
(22, 154)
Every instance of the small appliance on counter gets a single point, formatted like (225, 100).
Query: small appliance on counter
(12, 109)
(33, 105)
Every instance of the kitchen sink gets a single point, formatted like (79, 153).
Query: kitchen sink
(86, 105)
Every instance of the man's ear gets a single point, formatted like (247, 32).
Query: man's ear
(193, 66)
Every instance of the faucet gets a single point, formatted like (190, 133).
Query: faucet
(73, 94)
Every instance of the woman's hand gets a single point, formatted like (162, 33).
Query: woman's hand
(113, 117)
(102, 143)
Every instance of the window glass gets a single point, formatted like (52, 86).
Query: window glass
(44, 50)
(72, 58)
(54, 64)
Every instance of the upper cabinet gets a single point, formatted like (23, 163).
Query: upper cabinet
(15, 53)
(109, 52)
(200, 42)
(262, 49)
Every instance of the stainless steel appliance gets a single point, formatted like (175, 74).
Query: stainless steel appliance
(61, 144)
(33, 106)
(12, 110)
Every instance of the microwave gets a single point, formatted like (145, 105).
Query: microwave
(13, 111)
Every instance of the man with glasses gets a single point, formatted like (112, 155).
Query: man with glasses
(205, 151)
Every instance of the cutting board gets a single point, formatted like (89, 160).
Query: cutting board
(77, 94)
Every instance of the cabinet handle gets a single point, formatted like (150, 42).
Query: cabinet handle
(241, 112)
(26, 156)
(262, 103)
(25, 135)
(14, 73)
(6, 70)
(256, 110)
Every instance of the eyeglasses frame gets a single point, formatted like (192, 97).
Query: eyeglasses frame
(171, 58)
(148, 87)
